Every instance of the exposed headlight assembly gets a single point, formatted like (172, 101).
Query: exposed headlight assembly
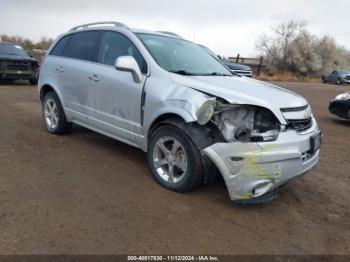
(206, 111)
(344, 96)
(246, 123)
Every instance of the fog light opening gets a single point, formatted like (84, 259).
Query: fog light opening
(261, 189)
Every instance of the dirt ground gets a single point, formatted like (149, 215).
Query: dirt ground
(84, 193)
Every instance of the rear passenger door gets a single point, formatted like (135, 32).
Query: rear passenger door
(115, 97)
(76, 70)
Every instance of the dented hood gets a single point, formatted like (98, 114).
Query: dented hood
(243, 90)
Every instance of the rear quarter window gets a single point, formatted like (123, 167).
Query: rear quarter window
(60, 46)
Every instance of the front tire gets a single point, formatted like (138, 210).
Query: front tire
(173, 159)
(53, 115)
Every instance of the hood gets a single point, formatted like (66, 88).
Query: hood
(242, 90)
(16, 58)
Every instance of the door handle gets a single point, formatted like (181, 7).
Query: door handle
(59, 69)
(94, 78)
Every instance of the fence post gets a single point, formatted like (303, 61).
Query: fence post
(259, 66)
(237, 58)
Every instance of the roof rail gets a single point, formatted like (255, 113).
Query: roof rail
(117, 24)
(170, 33)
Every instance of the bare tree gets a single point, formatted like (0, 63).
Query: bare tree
(292, 48)
(26, 43)
(285, 33)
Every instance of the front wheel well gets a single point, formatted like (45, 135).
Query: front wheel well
(162, 120)
(201, 135)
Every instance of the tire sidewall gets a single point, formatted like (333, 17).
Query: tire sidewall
(194, 164)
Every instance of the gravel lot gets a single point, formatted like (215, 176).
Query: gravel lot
(87, 194)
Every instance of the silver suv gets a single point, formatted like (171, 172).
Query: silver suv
(172, 99)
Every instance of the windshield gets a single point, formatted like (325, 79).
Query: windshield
(344, 72)
(8, 49)
(182, 57)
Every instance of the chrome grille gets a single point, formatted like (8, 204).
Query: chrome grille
(17, 67)
(243, 72)
(299, 125)
(294, 109)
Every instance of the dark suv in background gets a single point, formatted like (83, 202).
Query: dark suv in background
(17, 64)
(236, 68)
(240, 69)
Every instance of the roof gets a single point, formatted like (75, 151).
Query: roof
(118, 25)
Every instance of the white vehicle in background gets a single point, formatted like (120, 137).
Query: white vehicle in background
(184, 108)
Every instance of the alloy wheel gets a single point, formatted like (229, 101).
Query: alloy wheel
(51, 113)
(170, 159)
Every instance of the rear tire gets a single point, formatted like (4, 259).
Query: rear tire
(53, 115)
(174, 160)
(323, 80)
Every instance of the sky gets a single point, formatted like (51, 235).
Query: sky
(228, 27)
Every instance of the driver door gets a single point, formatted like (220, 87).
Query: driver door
(115, 98)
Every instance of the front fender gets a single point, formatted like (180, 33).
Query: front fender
(182, 102)
(185, 104)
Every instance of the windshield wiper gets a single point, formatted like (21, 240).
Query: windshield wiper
(186, 73)
(183, 72)
(218, 74)
(215, 74)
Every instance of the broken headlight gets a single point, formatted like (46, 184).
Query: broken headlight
(247, 123)
(206, 111)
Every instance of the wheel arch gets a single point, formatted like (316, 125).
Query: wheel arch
(201, 136)
(48, 88)
(163, 119)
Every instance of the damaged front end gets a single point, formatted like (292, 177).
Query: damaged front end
(256, 153)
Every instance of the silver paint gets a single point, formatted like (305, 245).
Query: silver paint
(109, 101)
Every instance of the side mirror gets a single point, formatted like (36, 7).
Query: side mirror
(129, 64)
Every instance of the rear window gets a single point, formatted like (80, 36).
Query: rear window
(60, 46)
(83, 46)
(12, 49)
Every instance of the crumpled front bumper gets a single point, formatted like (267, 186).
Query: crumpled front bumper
(253, 169)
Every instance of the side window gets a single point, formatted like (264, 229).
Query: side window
(114, 45)
(60, 46)
(83, 45)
